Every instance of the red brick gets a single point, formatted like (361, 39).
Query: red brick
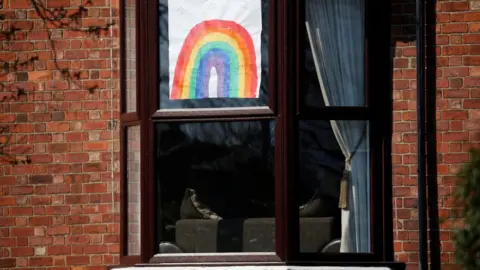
(472, 104)
(7, 242)
(91, 125)
(77, 157)
(22, 252)
(41, 200)
(7, 221)
(58, 127)
(95, 146)
(471, 38)
(20, 4)
(21, 190)
(40, 241)
(455, 50)
(58, 210)
(471, 16)
(455, 6)
(41, 179)
(455, 28)
(59, 147)
(41, 159)
(455, 158)
(21, 231)
(78, 239)
(8, 262)
(111, 239)
(38, 35)
(96, 249)
(455, 136)
(58, 188)
(95, 188)
(474, 27)
(7, 201)
(59, 250)
(452, 115)
(21, 211)
(455, 72)
(115, 248)
(471, 60)
(78, 260)
(58, 3)
(76, 54)
(40, 221)
(41, 261)
(91, 229)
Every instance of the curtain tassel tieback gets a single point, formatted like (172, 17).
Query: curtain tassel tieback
(345, 185)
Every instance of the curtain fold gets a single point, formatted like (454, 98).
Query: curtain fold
(336, 33)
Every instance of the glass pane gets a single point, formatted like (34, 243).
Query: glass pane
(216, 186)
(130, 56)
(334, 53)
(133, 190)
(334, 194)
(213, 54)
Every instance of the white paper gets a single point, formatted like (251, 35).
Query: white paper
(223, 60)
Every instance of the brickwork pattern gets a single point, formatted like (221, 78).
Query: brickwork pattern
(458, 116)
(60, 210)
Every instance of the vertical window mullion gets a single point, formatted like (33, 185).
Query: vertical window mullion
(287, 229)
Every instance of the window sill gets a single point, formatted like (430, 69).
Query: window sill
(339, 266)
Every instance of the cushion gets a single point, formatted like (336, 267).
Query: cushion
(249, 235)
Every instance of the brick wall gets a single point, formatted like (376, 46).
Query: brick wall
(59, 203)
(458, 115)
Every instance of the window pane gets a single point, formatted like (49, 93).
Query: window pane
(216, 186)
(130, 56)
(213, 54)
(334, 194)
(334, 54)
(133, 190)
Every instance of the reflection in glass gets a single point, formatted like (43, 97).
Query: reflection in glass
(334, 56)
(334, 181)
(216, 186)
(133, 190)
(130, 56)
(164, 88)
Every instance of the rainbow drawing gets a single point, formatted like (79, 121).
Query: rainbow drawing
(217, 52)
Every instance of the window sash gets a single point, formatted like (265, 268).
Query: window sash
(127, 119)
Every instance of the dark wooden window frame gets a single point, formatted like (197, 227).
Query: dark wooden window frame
(286, 43)
(128, 119)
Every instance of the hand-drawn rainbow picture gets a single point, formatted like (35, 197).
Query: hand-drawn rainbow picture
(216, 47)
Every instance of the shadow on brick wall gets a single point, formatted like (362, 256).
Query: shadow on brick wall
(404, 31)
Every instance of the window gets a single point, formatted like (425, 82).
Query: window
(260, 132)
(130, 136)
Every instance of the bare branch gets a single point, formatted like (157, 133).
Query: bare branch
(53, 19)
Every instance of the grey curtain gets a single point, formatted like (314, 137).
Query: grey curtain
(336, 33)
